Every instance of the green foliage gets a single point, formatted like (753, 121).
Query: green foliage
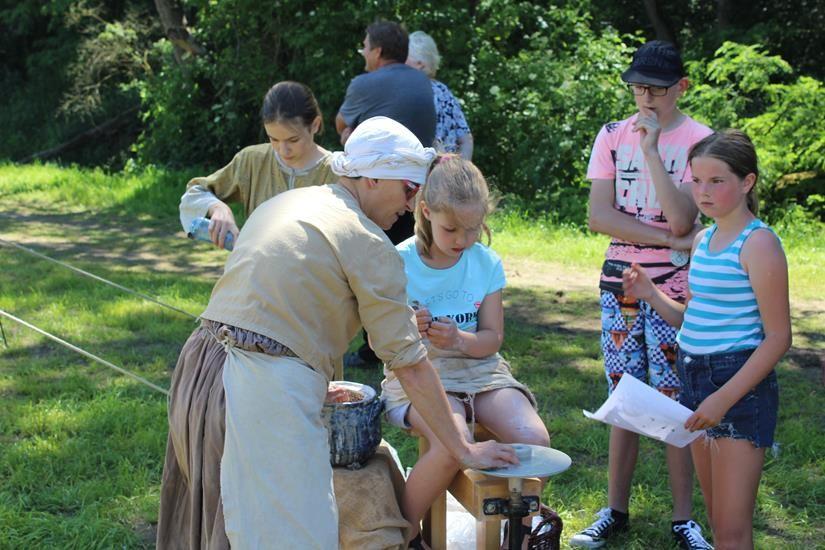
(537, 80)
(112, 58)
(206, 108)
(541, 85)
(791, 28)
(744, 87)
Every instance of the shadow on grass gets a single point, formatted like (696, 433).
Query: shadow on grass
(74, 433)
(149, 245)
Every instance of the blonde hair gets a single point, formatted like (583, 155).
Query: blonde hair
(453, 183)
(423, 49)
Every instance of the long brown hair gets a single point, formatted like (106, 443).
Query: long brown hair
(453, 183)
(734, 148)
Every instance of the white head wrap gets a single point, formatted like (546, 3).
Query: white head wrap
(382, 148)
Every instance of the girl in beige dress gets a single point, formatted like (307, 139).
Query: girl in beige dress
(291, 118)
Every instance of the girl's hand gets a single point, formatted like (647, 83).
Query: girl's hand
(647, 123)
(708, 415)
(423, 318)
(444, 334)
(637, 283)
(222, 221)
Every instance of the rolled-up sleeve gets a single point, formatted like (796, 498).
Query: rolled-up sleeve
(376, 277)
(227, 184)
(195, 203)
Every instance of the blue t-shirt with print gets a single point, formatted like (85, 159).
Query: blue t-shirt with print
(455, 292)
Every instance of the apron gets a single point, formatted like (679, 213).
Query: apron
(276, 479)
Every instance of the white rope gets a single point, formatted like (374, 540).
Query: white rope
(86, 353)
(98, 278)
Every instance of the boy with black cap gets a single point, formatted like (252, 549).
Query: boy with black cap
(640, 196)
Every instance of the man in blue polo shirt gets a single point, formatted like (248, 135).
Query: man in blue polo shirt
(389, 88)
(395, 90)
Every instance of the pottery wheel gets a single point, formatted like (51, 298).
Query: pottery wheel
(543, 462)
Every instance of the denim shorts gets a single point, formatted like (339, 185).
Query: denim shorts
(753, 417)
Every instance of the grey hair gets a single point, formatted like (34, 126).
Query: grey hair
(423, 49)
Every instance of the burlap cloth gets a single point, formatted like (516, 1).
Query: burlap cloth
(369, 513)
(191, 515)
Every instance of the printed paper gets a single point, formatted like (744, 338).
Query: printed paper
(637, 407)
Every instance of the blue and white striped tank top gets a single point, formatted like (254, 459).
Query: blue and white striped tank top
(722, 315)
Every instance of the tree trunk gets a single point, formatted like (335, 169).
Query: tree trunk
(107, 128)
(722, 14)
(171, 17)
(660, 24)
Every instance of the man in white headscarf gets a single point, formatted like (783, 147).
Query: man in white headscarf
(247, 460)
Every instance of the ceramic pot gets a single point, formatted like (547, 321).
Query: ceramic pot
(354, 426)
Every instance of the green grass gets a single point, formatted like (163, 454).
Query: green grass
(81, 447)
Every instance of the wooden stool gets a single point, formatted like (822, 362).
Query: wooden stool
(470, 488)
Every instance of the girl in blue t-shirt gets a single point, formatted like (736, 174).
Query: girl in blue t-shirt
(735, 327)
(454, 283)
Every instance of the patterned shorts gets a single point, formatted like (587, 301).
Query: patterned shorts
(636, 340)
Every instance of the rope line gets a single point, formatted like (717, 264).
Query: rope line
(98, 278)
(86, 353)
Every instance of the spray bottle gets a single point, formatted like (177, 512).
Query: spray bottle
(199, 230)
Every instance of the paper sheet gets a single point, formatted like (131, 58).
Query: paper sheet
(637, 407)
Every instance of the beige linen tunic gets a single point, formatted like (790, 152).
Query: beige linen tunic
(308, 270)
(254, 175)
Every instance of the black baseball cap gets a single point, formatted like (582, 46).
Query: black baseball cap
(656, 63)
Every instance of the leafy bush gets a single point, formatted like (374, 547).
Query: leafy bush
(537, 80)
(540, 87)
(745, 87)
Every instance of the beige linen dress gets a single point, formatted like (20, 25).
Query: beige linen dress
(466, 376)
(254, 175)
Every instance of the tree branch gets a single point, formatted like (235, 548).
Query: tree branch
(660, 24)
(107, 128)
(171, 17)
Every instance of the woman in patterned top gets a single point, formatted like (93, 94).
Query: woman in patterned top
(452, 134)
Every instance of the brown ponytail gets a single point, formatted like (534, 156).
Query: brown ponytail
(734, 148)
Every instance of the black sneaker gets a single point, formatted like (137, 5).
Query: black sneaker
(605, 526)
(689, 536)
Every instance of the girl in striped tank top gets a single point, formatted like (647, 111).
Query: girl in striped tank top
(735, 327)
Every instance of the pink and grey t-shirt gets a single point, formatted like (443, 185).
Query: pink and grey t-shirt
(617, 156)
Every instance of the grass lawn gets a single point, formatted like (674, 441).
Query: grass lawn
(81, 446)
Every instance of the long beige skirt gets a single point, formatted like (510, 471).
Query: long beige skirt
(191, 515)
(247, 462)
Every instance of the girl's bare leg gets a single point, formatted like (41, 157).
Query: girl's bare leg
(508, 414)
(700, 450)
(433, 472)
(736, 467)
